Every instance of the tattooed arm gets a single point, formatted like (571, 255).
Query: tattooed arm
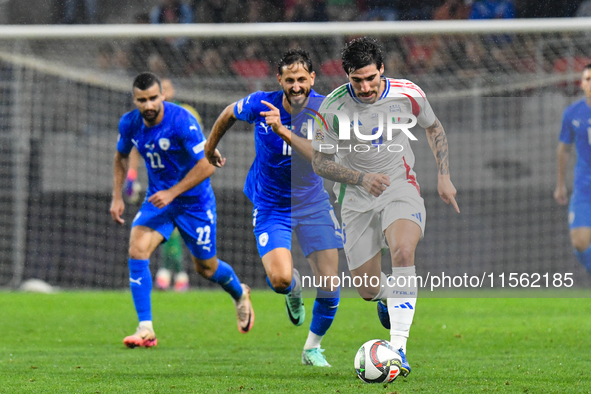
(325, 166)
(438, 143)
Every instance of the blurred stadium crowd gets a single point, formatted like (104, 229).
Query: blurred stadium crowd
(448, 56)
(242, 11)
(455, 58)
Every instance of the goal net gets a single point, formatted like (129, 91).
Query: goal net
(498, 87)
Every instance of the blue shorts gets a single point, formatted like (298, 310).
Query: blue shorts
(318, 231)
(197, 225)
(579, 212)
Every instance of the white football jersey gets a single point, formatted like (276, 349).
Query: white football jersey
(367, 150)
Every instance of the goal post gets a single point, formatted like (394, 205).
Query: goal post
(498, 87)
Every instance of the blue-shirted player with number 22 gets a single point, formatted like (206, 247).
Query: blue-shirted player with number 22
(179, 195)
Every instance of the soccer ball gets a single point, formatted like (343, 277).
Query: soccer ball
(377, 361)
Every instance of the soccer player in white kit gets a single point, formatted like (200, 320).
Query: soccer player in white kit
(371, 159)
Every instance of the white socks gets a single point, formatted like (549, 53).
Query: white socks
(402, 299)
(147, 324)
(313, 341)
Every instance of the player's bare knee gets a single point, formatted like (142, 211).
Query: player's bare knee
(280, 282)
(205, 268)
(138, 253)
(403, 255)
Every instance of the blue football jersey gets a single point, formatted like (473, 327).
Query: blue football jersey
(576, 128)
(170, 149)
(269, 180)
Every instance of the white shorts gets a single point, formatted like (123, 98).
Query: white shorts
(363, 232)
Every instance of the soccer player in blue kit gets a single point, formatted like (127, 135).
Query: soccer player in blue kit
(576, 128)
(179, 195)
(287, 194)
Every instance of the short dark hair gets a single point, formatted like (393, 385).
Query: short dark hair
(146, 80)
(587, 67)
(295, 56)
(361, 52)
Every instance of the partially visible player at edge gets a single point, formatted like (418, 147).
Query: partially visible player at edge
(380, 198)
(179, 195)
(287, 195)
(575, 129)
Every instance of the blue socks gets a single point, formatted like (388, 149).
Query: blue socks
(226, 277)
(140, 282)
(585, 258)
(325, 308)
(286, 291)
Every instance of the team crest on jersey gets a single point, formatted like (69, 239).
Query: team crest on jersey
(263, 239)
(304, 129)
(164, 143)
(239, 106)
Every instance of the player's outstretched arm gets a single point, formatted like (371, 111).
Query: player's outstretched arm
(200, 172)
(563, 152)
(301, 145)
(120, 164)
(325, 166)
(221, 125)
(438, 144)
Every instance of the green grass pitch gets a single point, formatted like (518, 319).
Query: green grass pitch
(71, 342)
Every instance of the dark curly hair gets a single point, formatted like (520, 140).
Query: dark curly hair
(361, 52)
(295, 56)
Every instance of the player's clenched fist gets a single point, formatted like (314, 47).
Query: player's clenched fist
(214, 157)
(375, 183)
(117, 208)
(560, 195)
(162, 198)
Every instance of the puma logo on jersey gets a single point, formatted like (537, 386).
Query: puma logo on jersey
(264, 126)
(193, 127)
(137, 281)
(576, 123)
(210, 215)
(135, 143)
(206, 247)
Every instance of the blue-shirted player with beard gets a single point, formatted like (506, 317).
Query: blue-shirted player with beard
(576, 128)
(287, 194)
(179, 195)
